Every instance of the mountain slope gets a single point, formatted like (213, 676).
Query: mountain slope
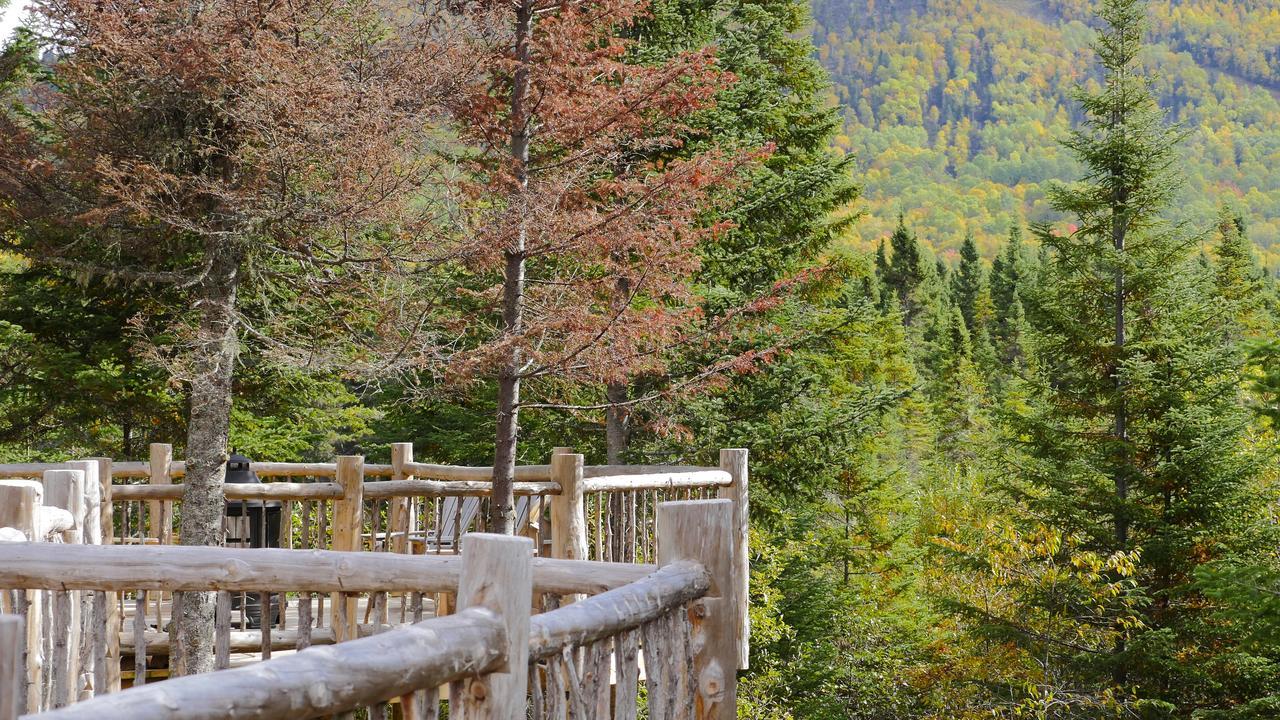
(954, 107)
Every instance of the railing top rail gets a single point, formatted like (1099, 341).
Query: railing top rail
(142, 469)
(597, 471)
(380, 489)
(45, 566)
(658, 481)
(620, 609)
(322, 680)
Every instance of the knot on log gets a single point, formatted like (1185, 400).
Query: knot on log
(711, 682)
(235, 568)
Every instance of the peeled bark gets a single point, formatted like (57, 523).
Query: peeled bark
(213, 364)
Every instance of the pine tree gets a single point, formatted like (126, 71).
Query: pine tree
(1133, 439)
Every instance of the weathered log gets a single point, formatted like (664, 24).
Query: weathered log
(702, 531)
(235, 491)
(497, 574)
(321, 680)
(348, 523)
(734, 462)
(568, 519)
(12, 673)
(618, 610)
(174, 567)
(657, 481)
(599, 471)
(483, 473)
(450, 488)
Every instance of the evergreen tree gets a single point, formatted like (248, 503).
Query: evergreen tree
(1134, 432)
(969, 282)
(1240, 280)
(912, 277)
(1010, 281)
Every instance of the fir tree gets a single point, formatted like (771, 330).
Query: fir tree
(1239, 279)
(911, 276)
(1134, 440)
(1010, 280)
(969, 282)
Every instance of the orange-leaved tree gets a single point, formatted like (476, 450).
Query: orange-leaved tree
(194, 145)
(585, 220)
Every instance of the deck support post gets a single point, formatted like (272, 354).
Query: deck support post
(734, 462)
(11, 670)
(400, 515)
(497, 574)
(21, 502)
(348, 521)
(65, 489)
(159, 467)
(702, 531)
(568, 515)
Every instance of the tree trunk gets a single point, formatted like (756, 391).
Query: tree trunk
(616, 422)
(213, 365)
(502, 513)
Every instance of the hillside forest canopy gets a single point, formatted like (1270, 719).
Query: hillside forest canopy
(987, 287)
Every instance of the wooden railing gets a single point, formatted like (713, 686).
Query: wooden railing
(610, 624)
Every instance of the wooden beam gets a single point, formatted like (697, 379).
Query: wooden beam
(734, 462)
(657, 481)
(617, 610)
(117, 568)
(568, 516)
(236, 491)
(12, 673)
(348, 523)
(20, 503)
(483, 473)
(598, 471)
(158, 474)
(702, 531)
(497, 574)
(319, 681)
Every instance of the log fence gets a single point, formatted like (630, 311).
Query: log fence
(624, 594)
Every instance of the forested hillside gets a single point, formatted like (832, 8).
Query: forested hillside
(953, 109)
(1031, 476)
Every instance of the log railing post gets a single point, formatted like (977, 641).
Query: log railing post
(107, 663)
(568, 515)
(161, 462)
(497, 574)
(348, 522)
(734, 462)
(92, 603)
(702, 531)
(65, 489)
(11, 670)
(400, 518)
(20, 508)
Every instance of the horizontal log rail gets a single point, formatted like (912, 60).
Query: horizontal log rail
(40, 566)
(658, 481)
(322, 680)
(596, 471)
(452, 488)
(618, 610)
(234, 491)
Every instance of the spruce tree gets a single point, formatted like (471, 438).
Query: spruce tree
(1132, 445)
(1239, 279)
(1010, 282)
(911, 276)
(968, 281)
